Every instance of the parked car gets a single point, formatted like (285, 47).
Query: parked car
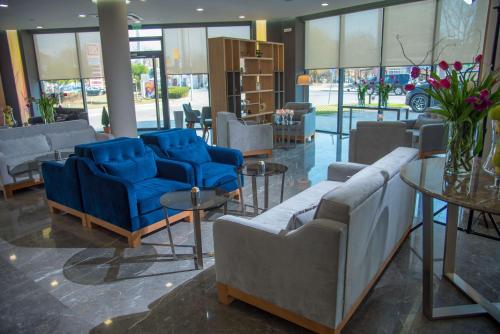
(94, 91)
(418, 99)
(398, 81)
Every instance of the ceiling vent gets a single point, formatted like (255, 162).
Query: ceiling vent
(131, 17)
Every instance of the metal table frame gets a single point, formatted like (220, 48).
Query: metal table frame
(285, 141)
(482, 305)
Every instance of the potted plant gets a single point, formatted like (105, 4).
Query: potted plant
(384, 90)
(105, 120)
(362, 89)
(46, 105)
(8, 117)
(463, 99)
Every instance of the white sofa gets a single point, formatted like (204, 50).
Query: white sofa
(314, 265)
(19, 145)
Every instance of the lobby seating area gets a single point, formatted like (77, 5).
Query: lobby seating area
(249, 167)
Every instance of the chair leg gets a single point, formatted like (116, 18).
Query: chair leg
(170, 239)
(222, 294)
(134, 240)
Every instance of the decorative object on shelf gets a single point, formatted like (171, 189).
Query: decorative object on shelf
(257, 85)
(46, 104)
(244, 107)
(492, 163)
(262, 106)
(8, 117)
(362, 87)
(105, 120)
(384, 90)
(258, 53)
(463, 100)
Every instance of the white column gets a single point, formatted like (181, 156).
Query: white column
(113, 26)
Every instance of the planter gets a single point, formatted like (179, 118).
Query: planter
(462, 138)
(107, 129)
(492, 163)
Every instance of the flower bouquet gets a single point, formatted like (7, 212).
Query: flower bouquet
(46, 105)
(463, 100)
(384, 90)
(362, 87)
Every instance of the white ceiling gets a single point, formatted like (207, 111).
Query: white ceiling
(28, 14)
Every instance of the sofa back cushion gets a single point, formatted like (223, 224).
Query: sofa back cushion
(25, 146)
(135, 169)
(42, 129)
(69, 139)
(85, 150)
(180, 145)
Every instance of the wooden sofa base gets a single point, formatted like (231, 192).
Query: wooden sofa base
(226, 294)
(269, 153)
(299, 139)
(55, 207)
(8, 189)
(134, 238)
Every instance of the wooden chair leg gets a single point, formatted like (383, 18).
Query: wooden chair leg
(134, 240)
(7, 192)
(222, 294)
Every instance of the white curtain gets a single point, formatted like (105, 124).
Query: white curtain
(186, 50)
(56, 56)
(89, 50)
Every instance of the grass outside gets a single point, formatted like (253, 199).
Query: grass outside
(329, 109)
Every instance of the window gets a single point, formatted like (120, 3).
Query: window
(322, 42)
(229, 31)
(145, 33)
(95, 90)
(187, 88)
(323, 93)
(68, 92)
(185, 50)
(136, 46)
(56, 56)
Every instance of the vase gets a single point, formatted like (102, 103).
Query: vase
(492, 163)
(462, 138)
(361, 101)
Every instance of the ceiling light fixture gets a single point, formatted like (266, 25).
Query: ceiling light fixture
(199, 9)
(4, 5)
(39, 27)
(324, 4)
(469, 2)
(241, 16)
(82, 15)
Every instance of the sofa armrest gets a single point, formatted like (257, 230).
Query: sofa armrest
(410, 123)
(309, 123)
(5, 177)
(175, 170)
(342, 171)
(279, 268)
(108, 197)
(250, 137)
(226, 155)
(352, 145)
(101, 136)
(432, 139)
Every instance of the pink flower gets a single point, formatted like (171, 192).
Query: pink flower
(434, 83)
(65, 94)
(409, 87)
(481, 103)
(445, 83)
(415, 72)
(457, 66)
(471, 99)
(484, 94)
(478, 59)
(443, 65)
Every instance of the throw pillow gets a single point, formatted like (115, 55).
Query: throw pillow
(134, 170)
(196, 152)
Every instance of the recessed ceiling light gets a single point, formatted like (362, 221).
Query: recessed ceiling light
(241, 16)
(82, 15)
(199, 9)
(39, 27)
(324, 4)
(4, 5)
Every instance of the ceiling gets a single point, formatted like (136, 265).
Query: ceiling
(51, 14)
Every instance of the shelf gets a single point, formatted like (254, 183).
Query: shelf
(257, 58)
(259, 114)
(257, 91)
(256, 75)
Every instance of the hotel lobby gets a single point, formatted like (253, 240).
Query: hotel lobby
(221, 166)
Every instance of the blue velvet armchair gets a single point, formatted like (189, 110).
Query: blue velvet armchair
(121, 184)
(214, 167)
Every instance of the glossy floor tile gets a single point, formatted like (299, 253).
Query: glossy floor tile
(56, 277)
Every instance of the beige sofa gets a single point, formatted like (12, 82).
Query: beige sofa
(313, 258)
(23, 144)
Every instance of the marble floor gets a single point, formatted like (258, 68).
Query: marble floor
(56, 277)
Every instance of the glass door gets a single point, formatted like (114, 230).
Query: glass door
(148, 79)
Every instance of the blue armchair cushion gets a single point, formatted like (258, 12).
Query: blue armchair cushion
(134, 169)
(149, 191)
(196, 152)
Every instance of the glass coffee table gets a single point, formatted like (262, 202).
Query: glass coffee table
(265, 170)
(209, 199)
(33, 166)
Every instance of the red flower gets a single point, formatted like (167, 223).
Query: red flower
(434, 83)
(445, 83)
(457, 66)
(415, 72)
(409, 87)
(484, 94)
(478, 59)
(443, 65)
(472, 99)
(65, 94)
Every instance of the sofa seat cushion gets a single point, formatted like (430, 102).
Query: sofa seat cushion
(134, 169)
(23, 146)
(215, 174)
(281, 216)
(194, 152)
(149, 191)
(69, 139)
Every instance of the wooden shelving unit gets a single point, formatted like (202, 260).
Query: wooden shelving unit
(248, 70)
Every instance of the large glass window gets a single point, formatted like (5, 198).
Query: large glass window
(323, 93)
(322, 43)
(95, 90)
(56, 56)
(229, 31)
(187, 88)
(68, 92)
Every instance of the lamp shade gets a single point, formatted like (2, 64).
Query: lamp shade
(304, 80)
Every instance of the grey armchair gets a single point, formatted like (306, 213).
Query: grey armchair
(249, 138)
(192, 116)
(373, 140)
(430, 134)
(305, 113)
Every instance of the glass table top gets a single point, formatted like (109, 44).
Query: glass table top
(427, 176)
(55, 156)
(181, 200)
(268, 169)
